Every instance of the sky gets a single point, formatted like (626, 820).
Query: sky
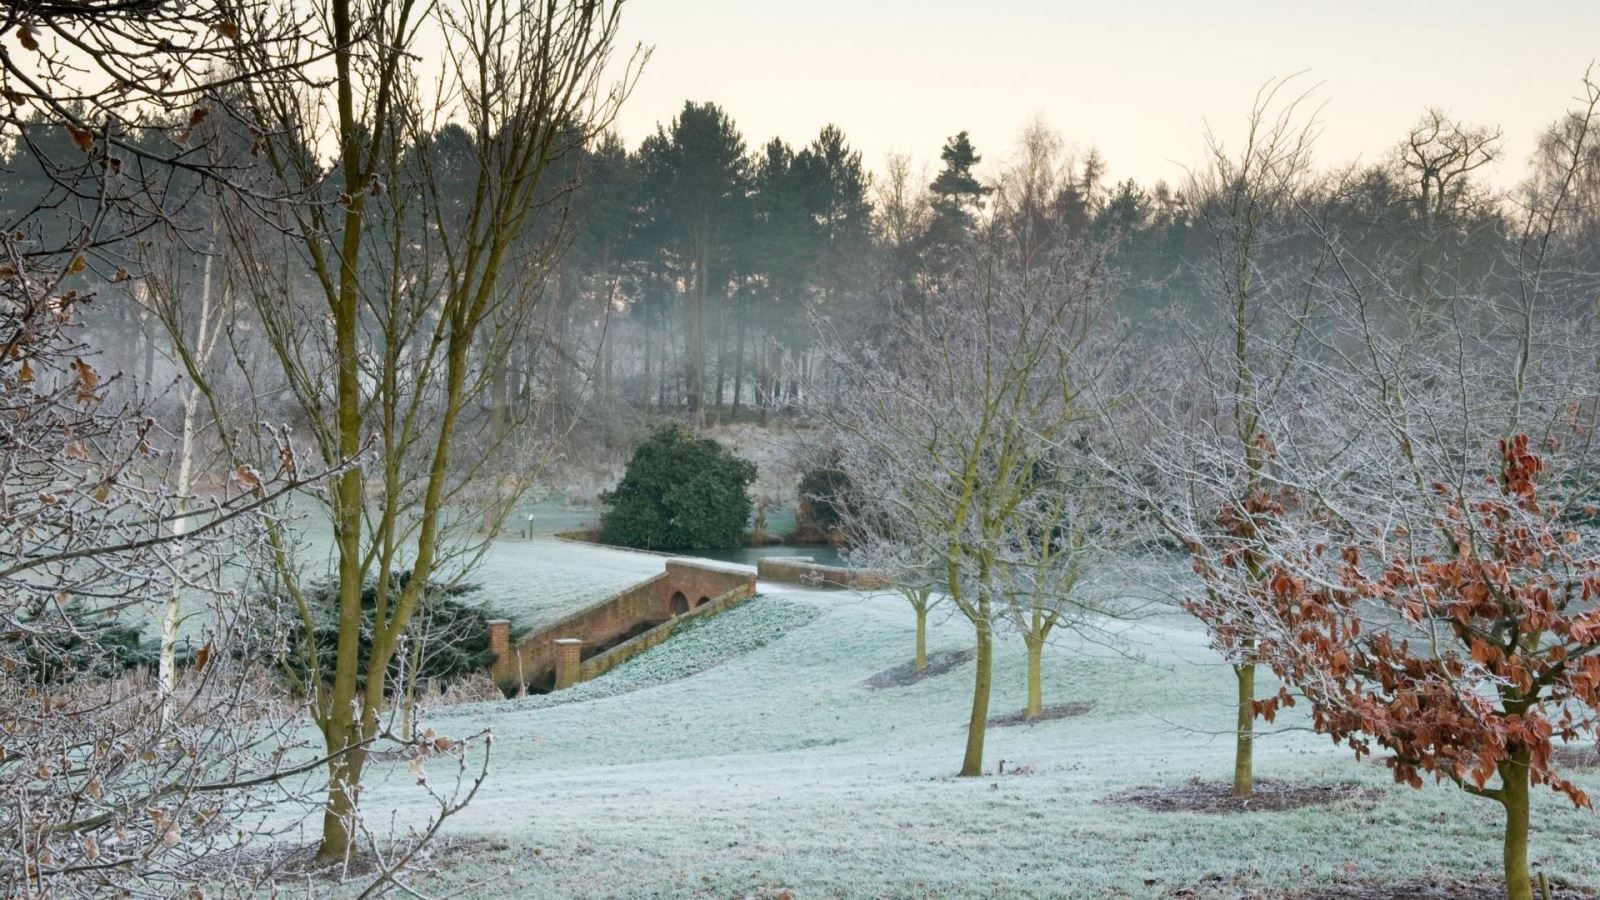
(1139, 81)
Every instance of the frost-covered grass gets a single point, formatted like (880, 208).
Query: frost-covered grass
(779, 769)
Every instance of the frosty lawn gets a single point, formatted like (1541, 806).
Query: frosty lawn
(747, 755)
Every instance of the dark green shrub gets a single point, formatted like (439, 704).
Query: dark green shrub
(446, 640)
(680, 492)
(824, 493)
(79, 644)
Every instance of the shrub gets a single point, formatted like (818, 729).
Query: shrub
(680, 492)
(824, 493)
(447, 638)
(81, 644)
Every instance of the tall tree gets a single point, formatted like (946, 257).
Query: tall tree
(411, 304)
(957, 199)
(695, 201)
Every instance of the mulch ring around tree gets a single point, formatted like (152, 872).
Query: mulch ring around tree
(1053, 711)
(906, 673)
(1218, 797)
(1486, 888)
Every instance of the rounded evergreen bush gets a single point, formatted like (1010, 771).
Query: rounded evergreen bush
(824, 497)
(680, 492)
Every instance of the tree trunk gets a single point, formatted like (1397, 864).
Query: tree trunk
(338, 816)
(738, 360)
(1514, 796)
(769, 349)
(722, 363)
(1035, 682)
(694, 341)
(1243, 766)
(922, 639)
(167, 665)
(972, 764)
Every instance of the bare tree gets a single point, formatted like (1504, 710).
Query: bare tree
(945, 438)
(416, 292)
(1201, 450)
(1439, 156)
(1417, 561)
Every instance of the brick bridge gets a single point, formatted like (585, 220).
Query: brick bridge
(595, 639)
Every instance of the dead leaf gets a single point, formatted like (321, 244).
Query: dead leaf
(83, 137)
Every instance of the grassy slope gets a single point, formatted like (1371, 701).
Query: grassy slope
(778, 769)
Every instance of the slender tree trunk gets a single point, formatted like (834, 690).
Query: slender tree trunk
(1035, 671)
(167, 666)
(694, 340)
(769, 349)
(205, 338)
(722, 364)
(922, 638)
(1514, 796)
(738, 361)
(1243, 763)
(972, 763)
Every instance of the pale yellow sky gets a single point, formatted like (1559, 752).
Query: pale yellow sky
(1138, 80)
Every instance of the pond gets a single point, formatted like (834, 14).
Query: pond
(821, 554)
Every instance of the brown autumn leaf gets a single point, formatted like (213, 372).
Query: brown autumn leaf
(83, 137)
(202, 657)
(25, 374)
(27, 35)
(88, 379)
(226, 28)
(198, 116)
(247, 477)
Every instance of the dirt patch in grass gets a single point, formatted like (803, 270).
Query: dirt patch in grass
(906, 673)
(1576, 757)
(1049, 713)
(1487, 888)
(1217, 797)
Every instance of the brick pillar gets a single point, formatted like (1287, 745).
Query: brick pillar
(504, 668)
(569, 657)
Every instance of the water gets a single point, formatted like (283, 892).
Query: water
(820, 554)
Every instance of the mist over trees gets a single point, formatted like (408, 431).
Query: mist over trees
(689, 272)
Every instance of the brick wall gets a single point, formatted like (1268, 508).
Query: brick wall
(613, 619)
(801, 570)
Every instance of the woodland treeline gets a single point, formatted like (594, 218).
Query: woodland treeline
(691, 274)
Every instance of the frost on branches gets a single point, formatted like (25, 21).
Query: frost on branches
(1465, 650)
